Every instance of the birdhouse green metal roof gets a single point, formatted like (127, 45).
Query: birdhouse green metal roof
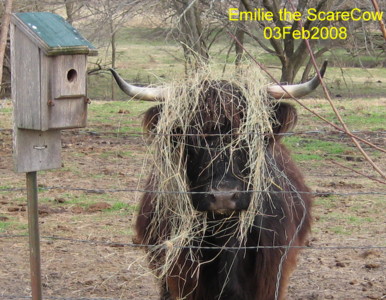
(52, 34)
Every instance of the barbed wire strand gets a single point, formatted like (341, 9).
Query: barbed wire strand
(134, 245)
(308, 132)
(348, 175)
(11, 297)
(105, 191)
(360, 173)
(138, 134)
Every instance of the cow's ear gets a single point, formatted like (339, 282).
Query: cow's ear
(285, 116)
(151, 117)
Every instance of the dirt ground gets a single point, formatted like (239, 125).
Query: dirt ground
(78, 268)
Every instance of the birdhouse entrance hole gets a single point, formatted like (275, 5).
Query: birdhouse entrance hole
(71, 75)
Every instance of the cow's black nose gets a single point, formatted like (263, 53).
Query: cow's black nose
(223, 199)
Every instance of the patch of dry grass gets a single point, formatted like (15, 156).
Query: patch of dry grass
(182, 107)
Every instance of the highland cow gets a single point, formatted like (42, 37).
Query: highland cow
(259, 265)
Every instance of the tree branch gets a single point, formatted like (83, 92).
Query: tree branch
(381, 24)
(328, 97)
(260, 42)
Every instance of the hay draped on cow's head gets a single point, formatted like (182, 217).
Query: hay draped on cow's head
(234, 111)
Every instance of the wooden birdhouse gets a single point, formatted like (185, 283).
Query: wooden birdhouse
(49, 92)
(49, 60)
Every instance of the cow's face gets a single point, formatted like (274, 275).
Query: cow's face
(218, 175)
(216, 159)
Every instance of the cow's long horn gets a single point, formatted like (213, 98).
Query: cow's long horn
(296, 90)
(141, 93)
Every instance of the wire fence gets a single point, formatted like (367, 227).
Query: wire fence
(128, 135)
(132, 190)
(329, 133)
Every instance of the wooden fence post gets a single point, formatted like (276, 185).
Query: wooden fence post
(34, 239)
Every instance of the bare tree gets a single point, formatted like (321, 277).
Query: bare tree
(73, 10)
(194, 27)
(190, 32)
(4, 34)
(291, 53)
(108, 16)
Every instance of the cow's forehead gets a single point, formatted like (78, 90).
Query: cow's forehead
(226, 144)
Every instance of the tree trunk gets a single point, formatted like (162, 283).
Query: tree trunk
(287, 73)
(294, 59)
(37, 6)
(239, 49)
(292, 55)
(69, 10)
(191, 34)
(240, 33)
(4, 34)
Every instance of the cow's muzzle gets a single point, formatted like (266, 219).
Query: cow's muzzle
(224, 200)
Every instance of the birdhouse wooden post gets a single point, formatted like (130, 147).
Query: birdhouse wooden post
(48, 60)
(48, 64)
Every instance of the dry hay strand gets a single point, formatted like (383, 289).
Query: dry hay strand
(181, 109)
